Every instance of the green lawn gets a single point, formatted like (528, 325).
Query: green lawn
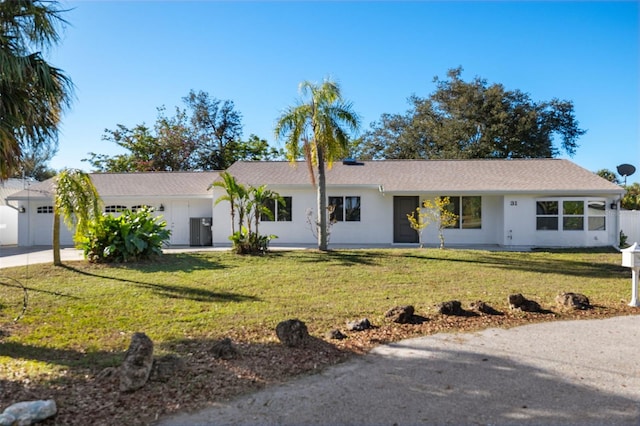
(84, 314)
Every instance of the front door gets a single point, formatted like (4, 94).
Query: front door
(402, 230)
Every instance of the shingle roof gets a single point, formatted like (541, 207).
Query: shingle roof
(480, 176)
(154, 184)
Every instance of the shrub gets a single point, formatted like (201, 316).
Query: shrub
(247, 242)
(130, 237)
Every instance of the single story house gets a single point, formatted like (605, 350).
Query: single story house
(507, 203)
(183, 199)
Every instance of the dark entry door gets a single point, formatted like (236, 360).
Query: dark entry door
(402, 231)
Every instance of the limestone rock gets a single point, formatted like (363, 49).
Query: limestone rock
(28, 412)
(224, 349)
(573, 300)
(401, 314)
(518, 301)
(292, 333)
(484, 308)
(137, 364)
(359, 325)
(335, 334)
(452, 307)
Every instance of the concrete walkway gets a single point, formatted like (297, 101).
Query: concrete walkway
(555, 373)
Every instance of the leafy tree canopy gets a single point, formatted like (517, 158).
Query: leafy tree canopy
(631, 200)
(473, 120)
(206, 135)
(608, 175)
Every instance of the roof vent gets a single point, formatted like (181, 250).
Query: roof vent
(351, 162)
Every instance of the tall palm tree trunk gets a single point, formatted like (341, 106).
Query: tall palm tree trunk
(56, 239)
(322, 203)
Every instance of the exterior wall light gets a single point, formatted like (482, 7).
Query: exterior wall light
(21, 209)
(161, 208)
(614, 206)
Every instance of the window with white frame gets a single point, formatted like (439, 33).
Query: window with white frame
(596, 215)
(344, 209)
(571, 215)
(44, 209)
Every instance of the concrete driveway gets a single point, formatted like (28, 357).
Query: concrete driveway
(555, 373)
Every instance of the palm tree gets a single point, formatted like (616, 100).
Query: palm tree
(77, 202)
(318, 131)
(233, 192)
(259, 200)
(33, 93)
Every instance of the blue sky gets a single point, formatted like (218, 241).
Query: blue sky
(128, 58)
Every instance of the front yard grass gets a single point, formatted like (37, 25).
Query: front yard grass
(80, 317)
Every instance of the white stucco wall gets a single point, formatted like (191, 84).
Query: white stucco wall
(375, 226)
(35, 229)
(520, 225)
(507, 220)
(8, 225)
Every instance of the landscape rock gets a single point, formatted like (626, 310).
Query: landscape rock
(335, 334)
(28, 412)
(573, 300)
(452, 307)
(484, 308)
(224, 349)
(401, 314)
(292, 333)
(137, 364)
(518, 301)
(166, 367)
(359, 325)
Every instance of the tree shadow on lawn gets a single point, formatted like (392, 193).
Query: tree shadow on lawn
(175, 291)
(539, 265)
(344, 257)
(173, 262)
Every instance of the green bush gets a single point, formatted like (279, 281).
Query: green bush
(130, 237)
(246, 242)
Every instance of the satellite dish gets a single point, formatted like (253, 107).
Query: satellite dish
(626, 170)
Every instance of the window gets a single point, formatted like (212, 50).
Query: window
(596, 215)
(573, 216)
(114, 209)
(138, 207)
(44, 209)
(470, 216)
(344, 209)
(281, 211)
(547, 215)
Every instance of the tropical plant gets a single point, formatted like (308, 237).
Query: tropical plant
(33, 93)
(132, 236)
(77, 202)
(249, 204)
(609, 175)
(317, 130)
(631, 199)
